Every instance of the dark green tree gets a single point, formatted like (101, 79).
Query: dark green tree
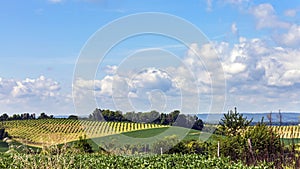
(73, 117)
(233, 123)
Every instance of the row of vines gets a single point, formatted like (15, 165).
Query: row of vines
(287, 131)
(57, 131)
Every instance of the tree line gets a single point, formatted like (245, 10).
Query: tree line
(174, 118)
(25, 116)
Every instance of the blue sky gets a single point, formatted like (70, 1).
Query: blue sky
(257, 43)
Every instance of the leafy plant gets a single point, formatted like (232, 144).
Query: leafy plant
(82, 145)
(233, 123)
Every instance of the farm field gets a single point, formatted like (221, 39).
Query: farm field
(57, 131)
(287, 131)
(150, 136)
(91, 161)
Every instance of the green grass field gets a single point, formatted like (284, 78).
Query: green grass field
(3, 146)
(150, 136)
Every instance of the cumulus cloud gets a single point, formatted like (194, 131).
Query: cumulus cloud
(29, 94)
(265, 15)
(291, 38)
(256, 72)
(128, 92)
(40, 87)
(151, 79)
(253, 62)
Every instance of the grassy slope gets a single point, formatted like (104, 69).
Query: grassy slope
(150, 136)
(3, 146)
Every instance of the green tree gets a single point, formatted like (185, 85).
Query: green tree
(233, 123)
(73, 117)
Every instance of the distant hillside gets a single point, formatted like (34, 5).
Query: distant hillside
(288, 118)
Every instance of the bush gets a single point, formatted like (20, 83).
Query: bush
(257, 144)
(165, 145)
(266, 145)
(82, 145)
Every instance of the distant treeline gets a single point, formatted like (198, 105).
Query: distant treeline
(24, 116)
(174, 118)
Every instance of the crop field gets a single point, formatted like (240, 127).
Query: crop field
(57, 131)
(90, 161)
(287, 131)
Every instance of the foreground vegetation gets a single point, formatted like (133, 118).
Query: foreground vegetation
(90, 161)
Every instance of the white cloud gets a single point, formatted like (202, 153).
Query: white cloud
(40, 94)
(55, 1)
(257, 61)
(257, 74)
(238, 3)
(111, 69)
(151, 79)
(291, 37)
(290, 13)
(130, 92)
(234, 68)
(234, 29)
(40, 87)
(266, 17)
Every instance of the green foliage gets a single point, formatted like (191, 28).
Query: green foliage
(256, 144)
(191, 147)
(73, 117)
(82, 145)
(233, 147)
(165, 145)
(265, 143)
(152, 117)
(45, 116)
(95, 161)
(233, 123)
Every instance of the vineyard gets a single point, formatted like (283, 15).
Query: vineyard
(56, 131)
(287, 131)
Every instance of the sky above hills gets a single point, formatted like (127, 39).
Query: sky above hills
(256, 42)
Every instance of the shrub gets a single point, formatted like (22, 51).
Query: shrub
(82, 145)
(257, 144)
(165, 144)
(266, 145)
